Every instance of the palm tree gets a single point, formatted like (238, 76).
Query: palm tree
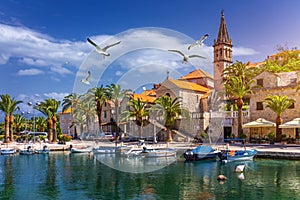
(86, 109)
(8, 105)
(101, 96)
(54, 107)
(72, 101)
(235, 88)
(40, 123)
(49, 108)
(116, 95)
(19, 122)
(139, 111)
(278, 104)
(170, 109)
(239, 69)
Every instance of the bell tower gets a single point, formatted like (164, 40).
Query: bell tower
(222, 54)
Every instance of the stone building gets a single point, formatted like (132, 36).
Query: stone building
(284, 83)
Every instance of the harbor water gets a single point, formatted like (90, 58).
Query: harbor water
(79, 176)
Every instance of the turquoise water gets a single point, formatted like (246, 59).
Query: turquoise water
(65, 176)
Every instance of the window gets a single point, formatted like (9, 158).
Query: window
(105, 114)
(259, 106)
(260, 82)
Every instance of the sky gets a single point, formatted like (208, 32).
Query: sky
(44, 51)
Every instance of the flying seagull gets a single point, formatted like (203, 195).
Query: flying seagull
(186, 57)
(86, 80)
(198, 42)
(100, 50)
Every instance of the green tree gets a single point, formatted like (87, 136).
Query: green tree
(19, 122)
(100, 96)
(170, 110)
(237, 79)
(40, 123)
(278, 104)
(8, 105)
(236, 89)
(116, 94)
(72, 101)
(139, 111)
(49, 108)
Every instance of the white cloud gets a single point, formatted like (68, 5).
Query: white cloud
(55, 95)
(29, 72)
(36, 49)
(243, 51)
(60, 70)
(118, 73)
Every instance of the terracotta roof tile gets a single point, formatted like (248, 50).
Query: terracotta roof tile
(189, 85)
(198, 73)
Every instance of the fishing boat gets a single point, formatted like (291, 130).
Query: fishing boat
(27, 151)
(7, 151)
(104, 150)
(236, 155)
(44, 150)
(201, 152)
(81, 150)
(153, 153)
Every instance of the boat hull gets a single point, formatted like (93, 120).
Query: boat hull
(7, 151)
(26, 152)
(75, 150)
(104, 150)
(201, 153)
(158, 153)
(239, 155)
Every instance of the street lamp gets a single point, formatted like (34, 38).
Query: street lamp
(25, 119)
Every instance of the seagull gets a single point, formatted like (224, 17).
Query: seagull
(86, 80)
(186, 57)
(100, 50)
(198, 42)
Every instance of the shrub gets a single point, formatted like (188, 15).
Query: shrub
(64, 137)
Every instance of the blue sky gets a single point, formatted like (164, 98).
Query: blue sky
(44, 52)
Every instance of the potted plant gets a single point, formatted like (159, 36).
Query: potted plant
(203, 136)
(271, 137)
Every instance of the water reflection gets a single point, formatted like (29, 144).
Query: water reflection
(65, 176)
(135, 164)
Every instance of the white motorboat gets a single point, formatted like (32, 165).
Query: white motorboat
(104, 150)
(151, 153)
(27, 151)
(7, 151)
(81, 150)
(44, 150)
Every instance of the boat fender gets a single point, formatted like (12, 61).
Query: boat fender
(221, 177)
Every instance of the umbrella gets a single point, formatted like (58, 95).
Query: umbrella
(295, 123)
(259, 123)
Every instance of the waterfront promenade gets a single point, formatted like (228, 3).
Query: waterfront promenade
(274, 151)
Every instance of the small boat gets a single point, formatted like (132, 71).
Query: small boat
(236, 155)
(153, 153)
(130, 151)
(81, 150)
(201, 153)
(27, 151)
(7, 151)
(44, 150)
(104, 150)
